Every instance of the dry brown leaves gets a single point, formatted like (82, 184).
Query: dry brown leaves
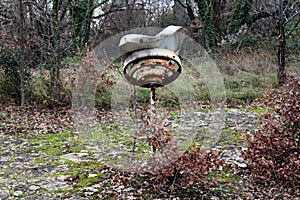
(273, 151)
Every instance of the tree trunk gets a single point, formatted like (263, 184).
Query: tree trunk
(205, 12)
(216, 18)
(281, 76)
(22, 90)
(81, 13)
(22, 58)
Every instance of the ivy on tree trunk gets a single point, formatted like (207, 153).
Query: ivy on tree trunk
(205, 12)
(81, 13)
(241, 15)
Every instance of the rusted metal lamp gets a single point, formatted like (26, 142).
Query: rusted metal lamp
(155, 67)
(152, 61)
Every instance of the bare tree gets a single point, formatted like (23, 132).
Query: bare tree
(116, 16)
(18, 38)
(288, 11)
(287, 15)
(39, 35)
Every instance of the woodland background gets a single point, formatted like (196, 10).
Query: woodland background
(254, 42)
(256, 46)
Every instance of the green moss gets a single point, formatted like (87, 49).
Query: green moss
(205, 110)
(11, 192)
(34, 141)
(55, 144)
(262, 110)
(79, 168)
(229, 137)
(85, 181)
(60, 191)
(38, 160)
(234, 133)
(142, 148)
(224, 177)
(82, 171)
(55, 137)
(11, 159)
(226, 109)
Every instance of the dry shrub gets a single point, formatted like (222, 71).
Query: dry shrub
(248, 62)
(188, 170)
(185, 177)
(273, 151)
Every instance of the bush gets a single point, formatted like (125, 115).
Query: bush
(185, 178)
(175, 172)
(189, 170)
(11, 78)
(273, 151)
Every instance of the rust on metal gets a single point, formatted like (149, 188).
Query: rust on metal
(150, 67)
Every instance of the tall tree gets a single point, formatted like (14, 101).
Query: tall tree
(81, 14)
(196, 27)
(17, 47)
(288, 11)
(38, 35)
(287, 15)
(281, 76)
(205, 12)
(241, 15)
(22, 44)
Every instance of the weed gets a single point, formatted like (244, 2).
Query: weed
(173, 115)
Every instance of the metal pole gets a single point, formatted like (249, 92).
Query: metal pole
(153, 113)
(135, 117)
(153, 98)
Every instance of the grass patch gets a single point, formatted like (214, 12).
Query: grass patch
(247, 74)
(245, 89)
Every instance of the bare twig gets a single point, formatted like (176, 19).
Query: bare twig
(295, 27)
(292, 17)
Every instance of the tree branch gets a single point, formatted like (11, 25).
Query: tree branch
(258, 16)
(112, 8)
(293, 29)
(188, 9)
(100, 4)
(5, 16)
(291, 18)
(184, 6)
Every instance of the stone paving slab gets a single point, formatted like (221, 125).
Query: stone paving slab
(22, 177)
